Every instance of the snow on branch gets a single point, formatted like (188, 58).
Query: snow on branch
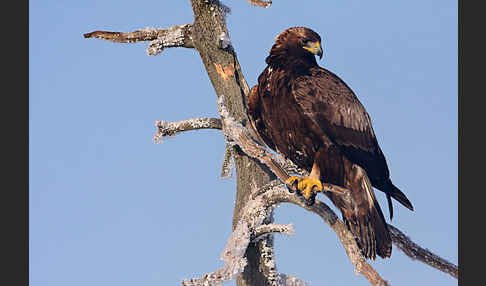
(176, 36)
(265, 229)
(255, 214)
(169, 129)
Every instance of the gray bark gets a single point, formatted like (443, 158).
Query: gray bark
(208, 29)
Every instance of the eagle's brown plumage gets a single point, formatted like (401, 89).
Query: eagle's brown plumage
(312, 117)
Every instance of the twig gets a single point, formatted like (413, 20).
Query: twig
(265, 229)
(416, 252)
(169, 129)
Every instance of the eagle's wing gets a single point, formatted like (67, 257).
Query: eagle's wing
(330, 104)
(334, 109)
(253, 105)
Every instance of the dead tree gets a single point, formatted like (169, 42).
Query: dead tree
(249, 253)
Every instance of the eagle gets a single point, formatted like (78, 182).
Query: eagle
(312, 117)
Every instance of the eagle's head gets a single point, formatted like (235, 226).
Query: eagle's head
(297, 43)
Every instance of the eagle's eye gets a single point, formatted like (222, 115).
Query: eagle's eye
(304, 41)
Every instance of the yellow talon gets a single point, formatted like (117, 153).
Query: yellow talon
(306, 185)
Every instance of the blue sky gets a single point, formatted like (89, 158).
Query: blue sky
(110, 207)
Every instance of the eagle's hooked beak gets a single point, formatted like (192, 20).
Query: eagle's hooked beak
(315, 48)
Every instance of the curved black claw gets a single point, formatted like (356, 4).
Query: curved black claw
(311, 200)
(298, 192)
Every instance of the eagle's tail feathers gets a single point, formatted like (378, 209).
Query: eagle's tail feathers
(398, 195)
(392, 191)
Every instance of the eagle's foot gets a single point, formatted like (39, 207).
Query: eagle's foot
(305, 186)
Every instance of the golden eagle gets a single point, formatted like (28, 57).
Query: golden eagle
(312, 117)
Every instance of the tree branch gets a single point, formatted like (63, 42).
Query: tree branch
(416, 252)
(251, 221)
(410, 248)
(170, 129)
(176, 36)
(282, 195)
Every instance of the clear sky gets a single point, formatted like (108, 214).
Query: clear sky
(110, 207)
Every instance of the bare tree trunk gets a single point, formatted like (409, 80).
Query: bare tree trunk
(210, 38)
